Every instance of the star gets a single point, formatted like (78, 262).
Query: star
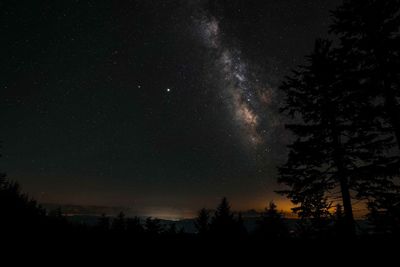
(168, 90)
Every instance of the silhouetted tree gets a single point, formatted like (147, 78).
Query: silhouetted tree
(171, 230)
(318, 160)
(370, 55)
(57, 220)
(19, 212)
(337, 145)
(153, 227)
(2, 178)
(134, 226)
(384, 214)
(241, 228)
(103, 223)
(339, 222)
(202, 222)
(271, 224)
(315, 216)
(119, 223)
(223, 224)
(181, 231)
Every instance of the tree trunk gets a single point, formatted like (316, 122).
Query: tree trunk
(344, 184)
(347, 207)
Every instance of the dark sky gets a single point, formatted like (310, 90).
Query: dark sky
(154, 105)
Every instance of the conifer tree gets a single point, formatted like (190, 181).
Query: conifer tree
(153, 227)
(202, 222)
(317, 161)
(271, 224)
(119, 223)
(223, 224)
(103, 223)
(134, 226)
(369, 33)
(340, 144)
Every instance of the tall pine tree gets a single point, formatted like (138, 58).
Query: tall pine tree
(338, 148)
(223, 224)
(202, 222)
(369, 33)
(317, 161)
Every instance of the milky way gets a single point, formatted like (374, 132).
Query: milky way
(243, 93)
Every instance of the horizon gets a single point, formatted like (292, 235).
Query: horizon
(174, 214)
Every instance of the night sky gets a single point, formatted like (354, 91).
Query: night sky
(161, 106)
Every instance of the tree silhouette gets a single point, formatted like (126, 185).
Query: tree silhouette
(202, 222)
(153, 227)
(315, 216)
(171, 230)
(2, 178)
(339, 222)
(318, 160)
(56, 220)
(119, 223)
(271, 224)
(346, 108)
(384, 214)
(370, 51)
(19, 212)
(134, 226)
(223, 224)
(339, 145)
(241, 228)
(103, 223)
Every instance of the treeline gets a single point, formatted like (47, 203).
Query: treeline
(345, 111)
(23, 215)
(20, 213)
